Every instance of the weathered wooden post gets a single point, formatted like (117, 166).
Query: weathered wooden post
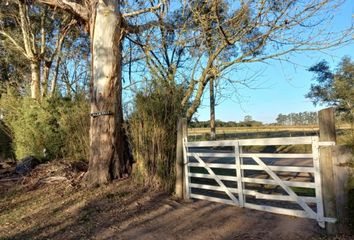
(341, 157)
(327, 134)
(181, 134)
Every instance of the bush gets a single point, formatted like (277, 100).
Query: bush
(52, 128)
(74, 123)
(152, 129)
(6, 151)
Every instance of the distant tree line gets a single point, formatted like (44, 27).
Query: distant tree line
(301, 118)
(247, 122)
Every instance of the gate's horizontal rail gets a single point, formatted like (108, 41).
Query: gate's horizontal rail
(272, 182)
(279, 168)
(276, 197)
(255, 180)
(216, 155)
(211, 187)
(255, 167)
(254, 142)
(258, 195)
(213, 165)
(284, 211)
(250, 155)
(277, 155)
(221, 177)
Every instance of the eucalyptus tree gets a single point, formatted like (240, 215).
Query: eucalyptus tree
(37, 36)
(107, 22)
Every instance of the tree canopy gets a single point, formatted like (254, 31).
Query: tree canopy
(334, 87)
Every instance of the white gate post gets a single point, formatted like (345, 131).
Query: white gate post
(187, 189)
(239, 175)
(179, 184)
(318, 184)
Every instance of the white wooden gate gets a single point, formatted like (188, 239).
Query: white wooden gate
(230, 172)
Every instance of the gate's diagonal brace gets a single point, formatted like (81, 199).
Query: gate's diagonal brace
(211, 172)
(291, 193)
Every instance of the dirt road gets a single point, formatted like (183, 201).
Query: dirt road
(205, 220)
(123, 210)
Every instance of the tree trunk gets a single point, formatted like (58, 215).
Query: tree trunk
(35, 80)
(53, 85)
(45, 77)
(107, 141)
(212, 110)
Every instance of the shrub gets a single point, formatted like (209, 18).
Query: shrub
(74, 123)
(6, 151)
(51, 128)
(152, 129)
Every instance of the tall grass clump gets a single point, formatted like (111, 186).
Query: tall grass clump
(74, 122)
(52, 128)
(152, 133)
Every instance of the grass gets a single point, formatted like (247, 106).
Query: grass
(308, 192)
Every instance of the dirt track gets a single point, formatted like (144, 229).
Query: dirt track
(205, 220)
(123, 210)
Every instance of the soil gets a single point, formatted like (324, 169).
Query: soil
(32, 207)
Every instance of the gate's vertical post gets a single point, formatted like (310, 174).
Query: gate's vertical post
(239, 174)
(185, 158)
(180, 156)
(327, 133)
(318, 184)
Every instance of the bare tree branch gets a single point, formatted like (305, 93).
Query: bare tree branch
(140, 28)
(141, 11)
(14, 42)
(73, 7)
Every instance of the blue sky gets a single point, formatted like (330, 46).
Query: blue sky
(282, 85)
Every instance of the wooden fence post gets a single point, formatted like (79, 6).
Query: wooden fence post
(181, 134)
(327, 133)
(341, 157)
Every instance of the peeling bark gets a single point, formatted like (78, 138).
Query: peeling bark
(107, 145)
(45, 78)
(35, 80)
(53, 84)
